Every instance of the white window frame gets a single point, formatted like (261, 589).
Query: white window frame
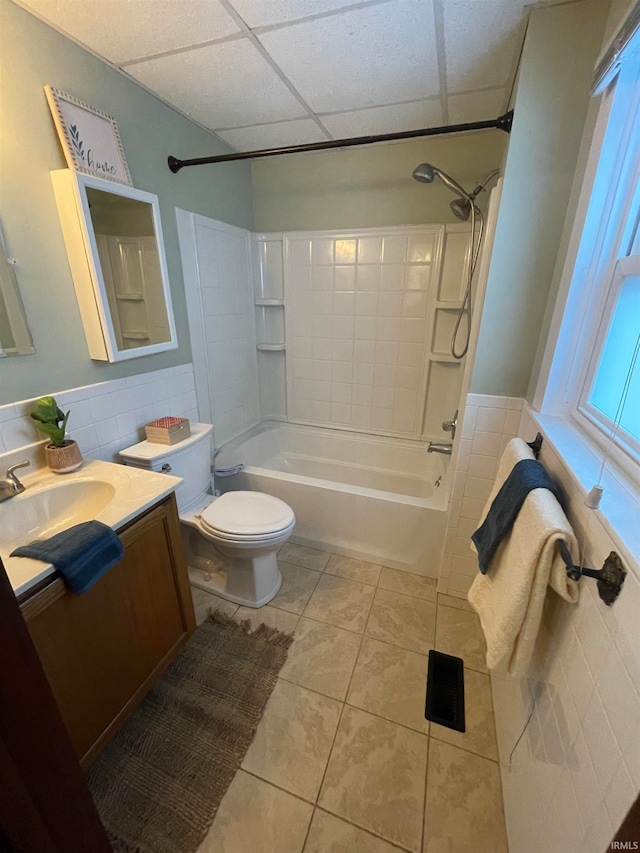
(624, 447)
(605, 230)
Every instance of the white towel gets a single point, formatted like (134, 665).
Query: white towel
(510, 597)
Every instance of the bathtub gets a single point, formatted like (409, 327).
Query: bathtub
(374, 498)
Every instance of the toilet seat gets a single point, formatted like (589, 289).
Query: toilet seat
(247, 517)
(247, 540)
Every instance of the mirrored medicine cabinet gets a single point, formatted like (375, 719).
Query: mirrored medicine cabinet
(15, 337)
(113, 236)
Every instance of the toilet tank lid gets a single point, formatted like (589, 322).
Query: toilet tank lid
(148, 453)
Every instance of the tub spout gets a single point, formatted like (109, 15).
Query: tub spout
(435, 447)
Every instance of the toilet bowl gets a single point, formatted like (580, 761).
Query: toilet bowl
(246, 528)
(230, 540)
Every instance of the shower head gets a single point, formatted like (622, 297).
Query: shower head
(425, 173)
(461, 207)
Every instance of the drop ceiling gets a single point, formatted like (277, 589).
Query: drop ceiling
(265, 73)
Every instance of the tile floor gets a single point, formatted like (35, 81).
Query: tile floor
(343, 760)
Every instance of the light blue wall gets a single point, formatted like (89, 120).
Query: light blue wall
(32, 54)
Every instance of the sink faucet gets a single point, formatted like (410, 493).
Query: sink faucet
(11, 485)
(436, 447)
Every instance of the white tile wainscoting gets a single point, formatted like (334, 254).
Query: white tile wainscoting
(107, 416)
(576, 771)
(489, 422)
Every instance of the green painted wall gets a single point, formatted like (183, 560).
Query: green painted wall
(553, 96)
(32, 54)
(618, 11)
(371, 186)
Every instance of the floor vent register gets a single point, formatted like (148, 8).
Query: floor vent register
(445, 691)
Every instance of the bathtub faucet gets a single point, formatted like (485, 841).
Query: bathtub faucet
(436, 447)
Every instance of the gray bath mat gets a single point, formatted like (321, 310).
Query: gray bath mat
(158, 784)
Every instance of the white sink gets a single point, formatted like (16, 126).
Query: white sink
(112, 494)
(49, 510)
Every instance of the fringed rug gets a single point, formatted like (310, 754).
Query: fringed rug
(159, 783)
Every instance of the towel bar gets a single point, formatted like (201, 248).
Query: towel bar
(610, 577)
(536, 444)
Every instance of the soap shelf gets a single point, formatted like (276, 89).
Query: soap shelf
(130, 297)
(269, 303)
(271, 347)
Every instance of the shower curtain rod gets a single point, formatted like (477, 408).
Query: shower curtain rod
(503, 122)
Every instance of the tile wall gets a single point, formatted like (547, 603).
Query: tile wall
(366, 317)
(489, 422)
(268, 279)
(576, 771)
(229, 336)
(107, 416)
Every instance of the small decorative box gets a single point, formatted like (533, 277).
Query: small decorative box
(168, 430)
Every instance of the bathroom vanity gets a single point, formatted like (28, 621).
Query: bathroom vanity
(103, 651)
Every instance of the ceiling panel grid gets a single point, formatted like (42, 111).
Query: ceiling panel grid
(271, 73)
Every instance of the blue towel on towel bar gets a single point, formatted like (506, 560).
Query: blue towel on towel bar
(525, 476)
(82, 554)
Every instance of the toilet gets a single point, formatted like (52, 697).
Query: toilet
(230, 540)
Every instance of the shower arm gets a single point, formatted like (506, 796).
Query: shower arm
(503, 122)
(482, 186)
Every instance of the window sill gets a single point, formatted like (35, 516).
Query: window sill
(619, 510)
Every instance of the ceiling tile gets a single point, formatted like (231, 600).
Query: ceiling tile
(121, 30)
(277, 135)
(223, 85)
(260, 13)
(476, 106)
(366, 57)
(481, 38)
(387, 119)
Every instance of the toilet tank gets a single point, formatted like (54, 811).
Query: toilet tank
(189, 459)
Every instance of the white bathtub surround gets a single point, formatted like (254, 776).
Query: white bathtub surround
(488, 424)
(219, 288)
(349, 329)
(369, 316)
(105, 416)
(369, 497)
(268, 279)
(576, 771)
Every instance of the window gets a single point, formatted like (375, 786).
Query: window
(594, 381)
(611, 395)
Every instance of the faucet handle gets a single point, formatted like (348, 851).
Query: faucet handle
(11, 475)
(451, 426)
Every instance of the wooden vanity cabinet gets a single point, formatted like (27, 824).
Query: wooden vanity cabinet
(103, 651)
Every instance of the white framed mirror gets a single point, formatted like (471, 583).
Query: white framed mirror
(15, 337)
(113, 236)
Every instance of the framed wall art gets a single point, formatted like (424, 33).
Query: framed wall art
(89, 138)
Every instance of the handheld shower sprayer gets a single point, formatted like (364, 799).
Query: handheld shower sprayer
(463, 207)
(425, 173)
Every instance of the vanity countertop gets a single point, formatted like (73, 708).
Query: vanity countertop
(54, 502)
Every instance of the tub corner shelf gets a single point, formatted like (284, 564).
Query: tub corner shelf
(271, 347)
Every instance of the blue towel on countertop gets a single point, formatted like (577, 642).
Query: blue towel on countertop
(525, 476)
(82, 554)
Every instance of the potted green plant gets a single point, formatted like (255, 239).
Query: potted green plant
(62, 454)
